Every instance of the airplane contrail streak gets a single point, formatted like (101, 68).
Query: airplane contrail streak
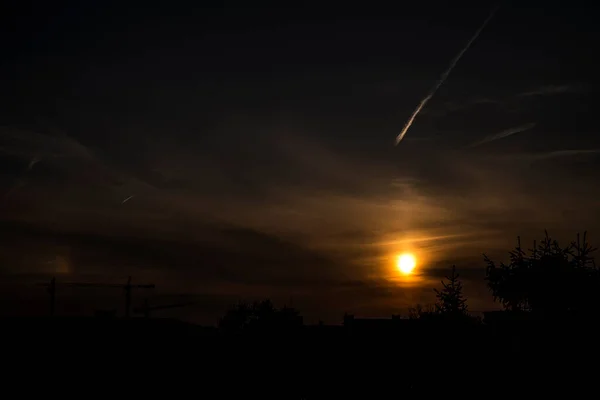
(443, 78)
(505, 133)
(21, 180)
(127, 199)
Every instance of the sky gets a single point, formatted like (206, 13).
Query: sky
(241, 152)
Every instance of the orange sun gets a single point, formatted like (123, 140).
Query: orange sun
(406, 263)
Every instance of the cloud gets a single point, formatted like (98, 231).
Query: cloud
(485, 100)
(227, 254)
(505, 133)
(60, 155)
(549, 90)
(18, 141)
(478, 103)
(548, 155)
(563, 153)
(337, 221)
(236, 264)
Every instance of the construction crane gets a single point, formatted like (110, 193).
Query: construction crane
(51, 288)
(146, 309)
(128, 287)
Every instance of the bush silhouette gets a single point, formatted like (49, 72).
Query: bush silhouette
(547, 278)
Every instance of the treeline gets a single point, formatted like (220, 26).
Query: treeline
(547, 280)
(260, 315)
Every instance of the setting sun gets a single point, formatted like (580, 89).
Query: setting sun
(406, 263)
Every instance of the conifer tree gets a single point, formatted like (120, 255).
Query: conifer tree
(450, 299)
(548, 279)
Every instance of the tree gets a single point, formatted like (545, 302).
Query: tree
(260, 315)
(507, 282)
(450, 300)
(546, 279)
(420, 312)
(237, 317)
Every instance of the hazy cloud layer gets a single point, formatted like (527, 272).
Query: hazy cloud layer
(554, 90)
(307, 230)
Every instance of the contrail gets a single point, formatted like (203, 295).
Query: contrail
(127, 199)
(505, 133)
(443, 78)
(33, 161)
(21, 180)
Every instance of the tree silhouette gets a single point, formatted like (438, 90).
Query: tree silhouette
(237, 317)
(260, 316)
(419, 311)
(450, 300)
(288, 317)
(547, 279)
(507, 282)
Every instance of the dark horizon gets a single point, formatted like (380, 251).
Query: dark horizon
(237, 152)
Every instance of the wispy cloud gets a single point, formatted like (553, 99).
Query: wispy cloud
(19, 142)
(64, 150)
(504, 133)
(554, 154)
(420, 138)
(553, 90)
(485, 100)
(451, 107)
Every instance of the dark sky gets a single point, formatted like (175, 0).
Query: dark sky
(257, 142)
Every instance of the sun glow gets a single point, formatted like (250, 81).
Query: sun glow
(406, 263)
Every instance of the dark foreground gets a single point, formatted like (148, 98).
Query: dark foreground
(411, 360)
